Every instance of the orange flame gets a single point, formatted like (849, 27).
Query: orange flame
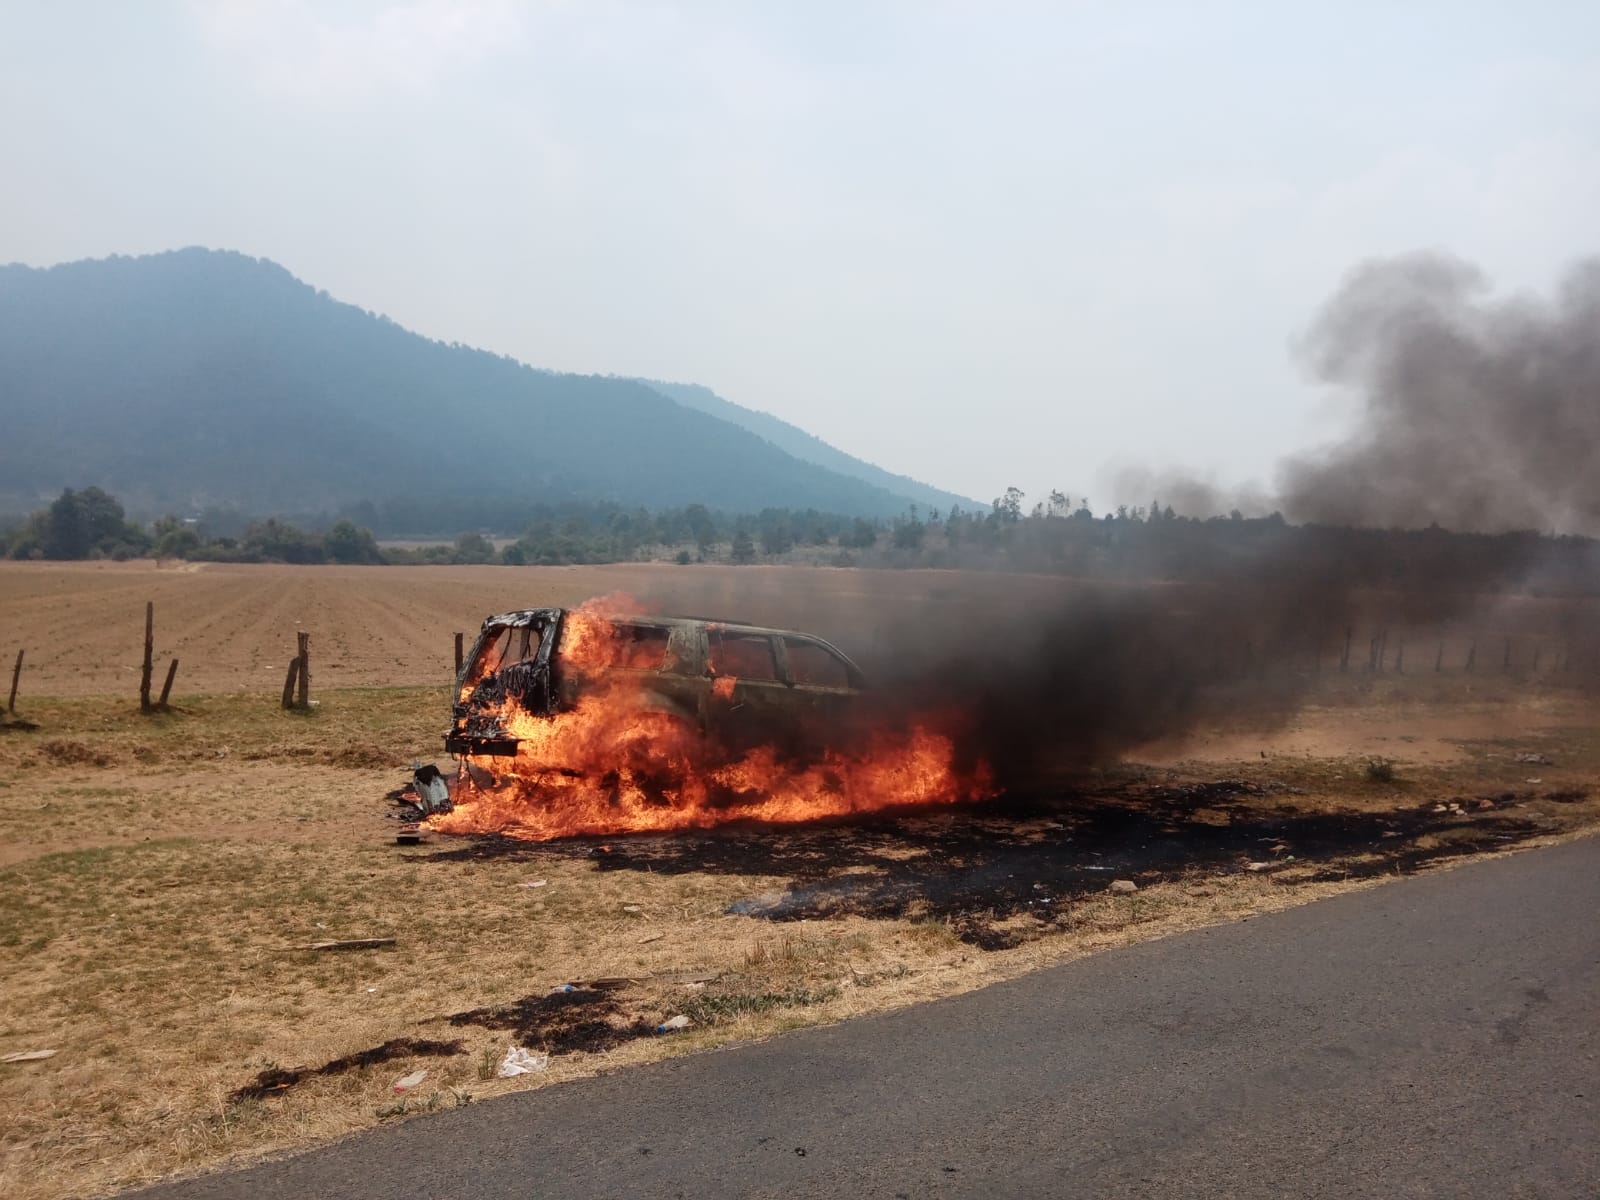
(612, 763)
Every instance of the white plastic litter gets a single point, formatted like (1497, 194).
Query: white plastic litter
(671, 1023)
(406, 1082)
(519, 1061)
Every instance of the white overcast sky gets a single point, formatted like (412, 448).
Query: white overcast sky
(981, 244)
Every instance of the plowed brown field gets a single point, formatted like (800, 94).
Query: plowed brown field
(232, 626)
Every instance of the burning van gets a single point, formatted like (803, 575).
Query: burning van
(589, 720)
(732, 684)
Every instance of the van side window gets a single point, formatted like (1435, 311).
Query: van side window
(743, 656)
(811, 665)
(641, 647)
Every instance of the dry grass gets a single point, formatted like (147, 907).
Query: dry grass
(157, 872)
(160, 960)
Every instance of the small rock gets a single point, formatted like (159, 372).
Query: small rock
(1123, 887)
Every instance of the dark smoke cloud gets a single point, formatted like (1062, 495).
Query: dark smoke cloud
(1477, 414)
(1474, 413)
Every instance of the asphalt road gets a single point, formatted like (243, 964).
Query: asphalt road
(1435, 1037)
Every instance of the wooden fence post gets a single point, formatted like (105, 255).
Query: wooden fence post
(303, 700)
(1344, 658)
(1472, 655)
(1400, 658)
(16, 674)
(289, 681)
(149, 651)
(1438, 660)
(459, 653)
(166, 688)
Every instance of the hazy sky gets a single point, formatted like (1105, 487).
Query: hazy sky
(981, 244)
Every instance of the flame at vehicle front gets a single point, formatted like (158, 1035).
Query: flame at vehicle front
(612, 764)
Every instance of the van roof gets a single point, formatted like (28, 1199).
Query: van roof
(529, 616)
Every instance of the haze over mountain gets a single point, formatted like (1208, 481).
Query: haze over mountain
(807, 447)
(199, 377)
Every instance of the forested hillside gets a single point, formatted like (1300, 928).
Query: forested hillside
(198, 377)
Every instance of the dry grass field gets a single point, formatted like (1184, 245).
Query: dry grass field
(160, 875)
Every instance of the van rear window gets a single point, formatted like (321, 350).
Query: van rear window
(812, 665)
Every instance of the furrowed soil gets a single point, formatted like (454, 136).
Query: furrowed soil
(162, 875)
(232, 626)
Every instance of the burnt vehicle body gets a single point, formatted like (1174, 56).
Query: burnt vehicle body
(734, 684)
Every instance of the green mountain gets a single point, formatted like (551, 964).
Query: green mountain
(201, 377)
(807, 447)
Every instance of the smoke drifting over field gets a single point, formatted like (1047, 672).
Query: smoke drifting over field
(1477, 414)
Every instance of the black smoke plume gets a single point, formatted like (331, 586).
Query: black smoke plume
(1476, 414)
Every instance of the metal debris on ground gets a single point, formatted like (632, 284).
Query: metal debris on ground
(350, 944)
(427, 793)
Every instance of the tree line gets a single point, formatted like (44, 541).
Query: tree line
(1055, 536)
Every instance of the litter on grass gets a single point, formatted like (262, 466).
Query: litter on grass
(520, 1061)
